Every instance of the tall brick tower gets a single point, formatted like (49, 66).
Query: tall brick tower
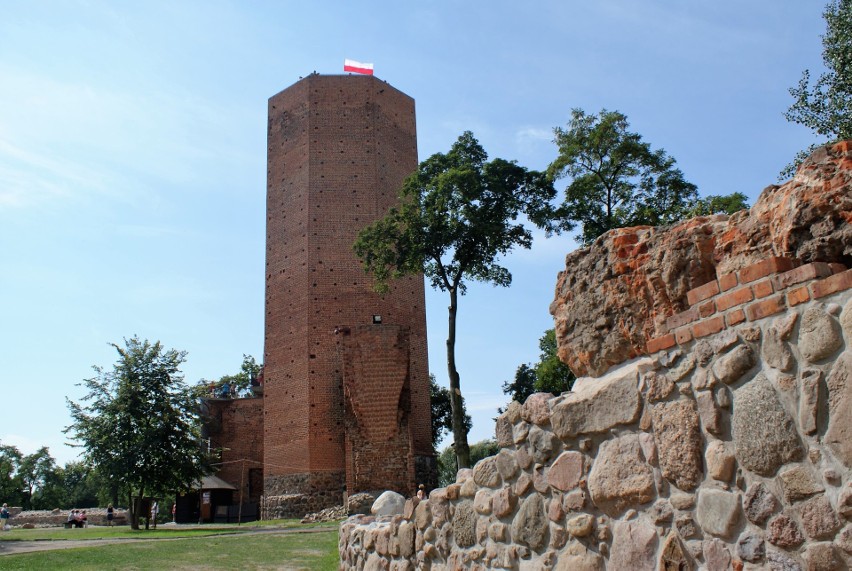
(346, 395)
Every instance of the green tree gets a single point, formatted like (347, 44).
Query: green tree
(74, 485)
(616, 179)
(549, 375)
(140, 428)
(523, 385)
(457, 215)
(447, 468)
(35, 471)
(825, 107)
(715, 204)
(11, 486)
(239, 383)
(442, 413)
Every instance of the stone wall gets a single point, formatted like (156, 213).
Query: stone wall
(56, 518)
(294, 495)
(725, 442)
(731, 449)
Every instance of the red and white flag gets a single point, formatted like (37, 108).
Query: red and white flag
(357, 67)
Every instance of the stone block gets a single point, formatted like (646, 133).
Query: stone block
(530, 525)
(731, 367)
(565, 472)
(679, 444)
(718, 512)
(634, 546)
(784, 532)
(720, 461)
(577, 557)
(598, 406)
(536, 409)
(838, 435)
(620, 477)
(819, 518)
(716, 555)
(765, 436)
(464, 524)
(819, 335)
(673, 556)
(798, 484)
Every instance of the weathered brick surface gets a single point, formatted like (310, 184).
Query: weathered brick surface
(735, 317)
(339, 148)
(703, 292)
(734, 298)
(801, 274)
(762, 289)
(764, 268)
(659, 288)
(235, 430)
(377, 390)
(798, 295)
(832, 284)
(708, 326)
(765, 308)
(660, 343)
(728, 281)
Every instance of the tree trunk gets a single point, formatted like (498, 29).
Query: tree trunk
(460, 445)
(135, 508)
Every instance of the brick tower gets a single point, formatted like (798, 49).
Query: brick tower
(346, 395)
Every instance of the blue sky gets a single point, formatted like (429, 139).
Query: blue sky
(132, 156)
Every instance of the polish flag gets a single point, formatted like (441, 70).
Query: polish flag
(357, 67)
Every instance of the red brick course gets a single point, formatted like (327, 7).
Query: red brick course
(708, 326)
(833, 284)
(765, 308)
(717, 304)
(734, 298)
(701, 293)
(798, 295)
(660, 343)
(728, 281)
(801, 274)
(764, 268)
(735, 317)
(762, 289)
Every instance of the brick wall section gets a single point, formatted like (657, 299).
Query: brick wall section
(339, 148)
(235, 428)
(377, 393)
(753, 293)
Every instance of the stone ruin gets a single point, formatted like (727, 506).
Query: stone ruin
(712, 426)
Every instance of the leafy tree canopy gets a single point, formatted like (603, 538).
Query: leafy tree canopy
(140, 426)
(715, 204)
(616, 180)
(549, 375)
(11, 484)
(825, 105)
(36, 470)
(239, 383)
(458, 215)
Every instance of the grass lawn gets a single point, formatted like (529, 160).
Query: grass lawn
(162, 531)
(232, 548)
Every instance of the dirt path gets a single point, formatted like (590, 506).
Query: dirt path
(16, 547)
